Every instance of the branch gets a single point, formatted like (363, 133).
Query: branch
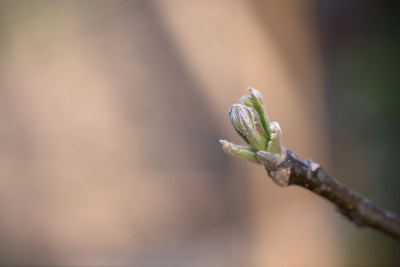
(308, 174)
(250, 121)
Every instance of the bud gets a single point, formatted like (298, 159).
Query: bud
(250, 121)
(258, 105)
(242, 152)
(247, 123)
(275, 144)
(247, 101)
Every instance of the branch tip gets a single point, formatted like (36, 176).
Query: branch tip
(250, 120)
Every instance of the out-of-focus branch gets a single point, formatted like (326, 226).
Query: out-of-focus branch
(250, 121)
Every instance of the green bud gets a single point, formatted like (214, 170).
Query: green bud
(242, 152)
(247, 123)
(258, 105)
(247, 101)
(250, 120)
(275, 144)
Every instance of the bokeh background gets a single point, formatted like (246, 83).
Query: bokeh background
(111, 113)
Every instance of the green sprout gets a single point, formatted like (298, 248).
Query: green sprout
(250, 121)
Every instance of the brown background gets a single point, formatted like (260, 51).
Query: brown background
(110, 116)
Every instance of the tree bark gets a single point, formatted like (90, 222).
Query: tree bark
(356, 208)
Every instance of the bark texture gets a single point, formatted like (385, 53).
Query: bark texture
(356, 208)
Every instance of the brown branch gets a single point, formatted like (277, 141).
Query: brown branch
(265, 139)
(291, 170)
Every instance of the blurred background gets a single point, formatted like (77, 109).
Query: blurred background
(111, 112)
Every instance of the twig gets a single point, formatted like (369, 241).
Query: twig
(250, 121)
(356, 208)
